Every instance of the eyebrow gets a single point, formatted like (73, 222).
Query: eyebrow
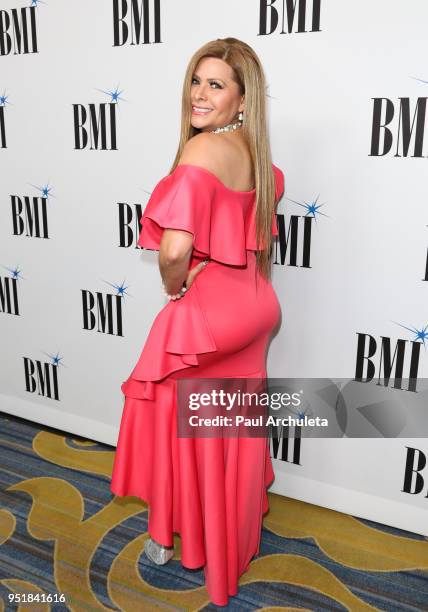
(210, 79)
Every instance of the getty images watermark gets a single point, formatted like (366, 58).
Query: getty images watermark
(311, 407)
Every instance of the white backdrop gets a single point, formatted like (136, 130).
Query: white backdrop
(367, 255)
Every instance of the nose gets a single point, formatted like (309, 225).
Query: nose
(200, 92)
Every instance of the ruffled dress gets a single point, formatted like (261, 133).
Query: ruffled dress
(210, 491)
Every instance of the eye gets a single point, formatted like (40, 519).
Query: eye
(217, 85)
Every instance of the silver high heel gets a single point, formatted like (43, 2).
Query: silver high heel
(157, 553)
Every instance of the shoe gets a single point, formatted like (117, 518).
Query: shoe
(157, 553)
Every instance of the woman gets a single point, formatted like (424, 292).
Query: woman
(212, 220)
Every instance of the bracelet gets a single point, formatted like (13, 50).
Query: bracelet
(183, 289)
(177, 296)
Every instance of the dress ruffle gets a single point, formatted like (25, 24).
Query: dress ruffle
(193, 199)
(212, 492)
(169, 346)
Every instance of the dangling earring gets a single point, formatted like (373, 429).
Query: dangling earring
(241, 116)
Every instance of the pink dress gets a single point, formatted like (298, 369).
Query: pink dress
(211, 491)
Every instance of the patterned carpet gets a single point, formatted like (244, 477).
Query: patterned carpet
(63, 532)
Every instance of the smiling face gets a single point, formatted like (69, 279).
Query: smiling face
(215, 96)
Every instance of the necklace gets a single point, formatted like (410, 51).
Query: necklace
(227, 128)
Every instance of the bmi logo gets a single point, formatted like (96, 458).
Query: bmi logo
(18, 30)
(283, 446)
(95, 123)
(296, 243)
(414, 480)
(136, 22)
(9, 302)
(30, 213)
(102, 312)
(129, 224)
(403, 122)
(291, 15)
(404, 359)
(41, 377)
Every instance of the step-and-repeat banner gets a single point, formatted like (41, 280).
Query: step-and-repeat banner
(90, 96)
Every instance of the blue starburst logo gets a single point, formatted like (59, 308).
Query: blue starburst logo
(15, 273)
(45, 190)
(36, 3)
(121, 289)
(114, 94)
(55, 358)
(420, 334)
(312, 208)
(4, 99)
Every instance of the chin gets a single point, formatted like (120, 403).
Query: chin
(199, 126)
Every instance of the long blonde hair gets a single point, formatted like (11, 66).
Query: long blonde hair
(249, 74)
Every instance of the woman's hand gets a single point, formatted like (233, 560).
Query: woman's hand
(189, 280)
(194, 272)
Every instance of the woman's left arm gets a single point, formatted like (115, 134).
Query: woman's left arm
(174, 257)
(176, 245)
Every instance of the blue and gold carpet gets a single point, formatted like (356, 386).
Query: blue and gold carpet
(64, 536)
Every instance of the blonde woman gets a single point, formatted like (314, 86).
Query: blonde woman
(212, 219)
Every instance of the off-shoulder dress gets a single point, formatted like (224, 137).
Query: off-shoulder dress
(210, 491)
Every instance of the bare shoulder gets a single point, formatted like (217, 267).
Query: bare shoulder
(227, 156)
(203, 150)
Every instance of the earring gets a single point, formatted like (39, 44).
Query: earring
(241, 116)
